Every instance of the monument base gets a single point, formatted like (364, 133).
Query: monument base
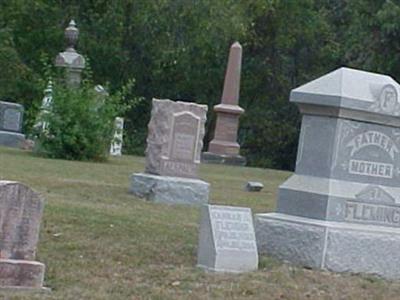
(11, 139)
(22, 275)
(212, 158)
(335, 246)
(170, 190)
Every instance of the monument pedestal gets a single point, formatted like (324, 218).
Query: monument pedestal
(21, 275)
(11, 139)
(212, 158)
(170, 190)
(335, 246)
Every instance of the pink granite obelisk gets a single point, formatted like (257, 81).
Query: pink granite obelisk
(224, 148)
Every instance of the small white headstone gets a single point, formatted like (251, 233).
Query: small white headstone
(227, 240)
(116, 144)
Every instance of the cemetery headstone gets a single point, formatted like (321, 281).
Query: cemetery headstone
(224, 148)
(254, 186)
(174, 143)
(11, 117)
(20, 215)
(227, 241)
(340, 210)
(71, 60)
(116, 145)
(47, 101)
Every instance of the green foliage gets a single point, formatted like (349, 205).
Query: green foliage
(80, 124)
(178, 49)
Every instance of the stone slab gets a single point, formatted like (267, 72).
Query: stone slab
(253, 186)
(175, 138)
(20, 215)
(169, 190)
(335, 246)
(233, 160)
(227, 240)
(349, 150)
(353, 94)
(11, 139)
(21, 274)
(11, 116)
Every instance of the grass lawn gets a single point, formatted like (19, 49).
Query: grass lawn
(99, 242)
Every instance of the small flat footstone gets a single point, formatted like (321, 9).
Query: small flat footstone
(254, 186)
(232, 160)
(21, 274)
(170, 190)
(227, 240)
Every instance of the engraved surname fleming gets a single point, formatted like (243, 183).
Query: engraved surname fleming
(372, 213)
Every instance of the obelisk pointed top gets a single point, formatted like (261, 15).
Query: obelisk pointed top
(236, 45)
(230, 94)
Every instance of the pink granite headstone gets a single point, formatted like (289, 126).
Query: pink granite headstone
(175, 138)
(20, 215)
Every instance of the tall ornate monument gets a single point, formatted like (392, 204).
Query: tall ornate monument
(224, 148)
(340, 210)
(70, 59)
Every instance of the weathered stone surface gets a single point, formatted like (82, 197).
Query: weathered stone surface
(224, 143)
(116, 145)
(346, 178)
(21, 273)
(20, 215)
(351, 94)
(11, 116)
(254, 186)
(170, 190)
(11, 139)
(335, 246)
(227, 241)
(212, 158)
(72, 61)
(175, 138)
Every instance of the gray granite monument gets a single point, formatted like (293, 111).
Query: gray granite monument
(174, 142)
(20, 215)
(11, 117)
(227, 241)
(340, 210)
(70, 59)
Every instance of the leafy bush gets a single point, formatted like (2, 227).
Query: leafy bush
(80, 124)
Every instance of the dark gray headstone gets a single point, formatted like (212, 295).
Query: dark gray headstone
(11, 115)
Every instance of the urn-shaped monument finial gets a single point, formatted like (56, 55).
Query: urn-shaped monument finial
(71, 35)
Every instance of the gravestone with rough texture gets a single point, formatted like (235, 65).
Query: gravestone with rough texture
(253, 186)
(72, 61)
(11, 117)
(224, 148)
(174, 143)
(116, 144)
(340, 210)
(20, 215)
(227, 241)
